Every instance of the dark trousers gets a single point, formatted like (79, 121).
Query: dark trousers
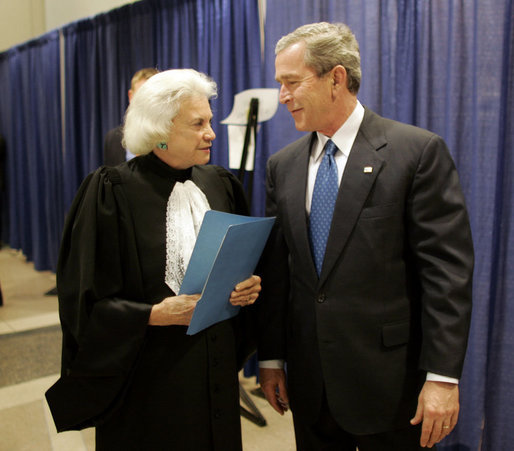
(327, 435)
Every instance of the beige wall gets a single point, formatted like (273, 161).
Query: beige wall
(22, 20)
(62, 12)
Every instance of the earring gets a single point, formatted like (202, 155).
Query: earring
(162, 146)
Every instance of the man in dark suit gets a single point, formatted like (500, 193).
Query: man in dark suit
(114, 152)
(372, 323)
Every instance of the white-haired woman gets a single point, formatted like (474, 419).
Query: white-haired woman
(128, 366)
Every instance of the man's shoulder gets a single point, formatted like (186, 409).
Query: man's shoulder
(374, 123)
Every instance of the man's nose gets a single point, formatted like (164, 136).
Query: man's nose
(284, 95)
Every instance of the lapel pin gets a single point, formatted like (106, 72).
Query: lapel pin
(368, 169)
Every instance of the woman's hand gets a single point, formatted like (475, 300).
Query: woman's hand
(175, 310)
(246, 292)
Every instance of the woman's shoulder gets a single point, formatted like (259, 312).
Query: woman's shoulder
(215, 170)
(232, 186)
(96, 186)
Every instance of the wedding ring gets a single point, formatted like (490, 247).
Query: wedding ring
(446, 427)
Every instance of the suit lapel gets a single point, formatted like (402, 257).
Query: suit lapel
(362, 168)
(295, 200)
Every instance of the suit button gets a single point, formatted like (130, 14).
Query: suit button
(321, 298)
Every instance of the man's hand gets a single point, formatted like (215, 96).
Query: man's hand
(438, 409)
(246, 292)
(273, 385)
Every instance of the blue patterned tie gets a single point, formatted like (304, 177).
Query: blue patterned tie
(323, 201)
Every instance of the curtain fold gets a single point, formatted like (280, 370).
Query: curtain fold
(5, 131)
(33, 128)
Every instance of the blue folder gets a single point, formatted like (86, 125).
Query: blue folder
(226, 252)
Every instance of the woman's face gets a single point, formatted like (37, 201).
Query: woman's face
(190, 139)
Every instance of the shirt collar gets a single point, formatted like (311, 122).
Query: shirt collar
(344, 137)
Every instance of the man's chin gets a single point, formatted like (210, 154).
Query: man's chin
(302, 127)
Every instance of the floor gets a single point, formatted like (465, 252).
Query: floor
(29, 364)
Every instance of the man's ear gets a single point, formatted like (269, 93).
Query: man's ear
(339, 77)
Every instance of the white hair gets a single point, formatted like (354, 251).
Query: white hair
(149, 117)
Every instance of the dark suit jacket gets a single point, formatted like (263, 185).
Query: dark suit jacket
(394, 296)
(114, 153)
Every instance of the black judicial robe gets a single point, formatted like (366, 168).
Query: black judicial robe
(143, 387)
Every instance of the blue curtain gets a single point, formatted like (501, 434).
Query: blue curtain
(217, 37)
(447, 66)
(31, 121)
(101, 54)
(5, 131)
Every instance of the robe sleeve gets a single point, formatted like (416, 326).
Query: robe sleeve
(103, 329)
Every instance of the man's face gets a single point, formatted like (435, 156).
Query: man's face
(307, 96)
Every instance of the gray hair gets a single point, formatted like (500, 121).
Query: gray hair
(156, 103)
(327, 45)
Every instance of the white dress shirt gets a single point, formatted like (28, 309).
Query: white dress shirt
(343, 139)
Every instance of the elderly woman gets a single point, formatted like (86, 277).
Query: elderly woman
(128, 366)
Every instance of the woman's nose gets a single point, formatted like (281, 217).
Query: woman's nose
(209, 134)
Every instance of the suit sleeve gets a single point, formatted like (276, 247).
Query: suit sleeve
(274, 270)
(439, 236)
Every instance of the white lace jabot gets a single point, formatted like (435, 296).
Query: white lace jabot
(187, 205)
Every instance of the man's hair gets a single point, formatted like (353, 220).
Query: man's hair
(326, 46)
(142, 74)
(150, 114)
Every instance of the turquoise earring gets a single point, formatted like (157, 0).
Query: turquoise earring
(162, 146)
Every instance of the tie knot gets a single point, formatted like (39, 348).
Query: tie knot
(330, 148)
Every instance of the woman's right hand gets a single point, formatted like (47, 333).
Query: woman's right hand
(175, 310)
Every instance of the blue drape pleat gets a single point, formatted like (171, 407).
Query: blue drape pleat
(445, 65)
(33, 131)
(499, 404)
(5, 130)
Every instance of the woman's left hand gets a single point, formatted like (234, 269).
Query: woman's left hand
(246, 292)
